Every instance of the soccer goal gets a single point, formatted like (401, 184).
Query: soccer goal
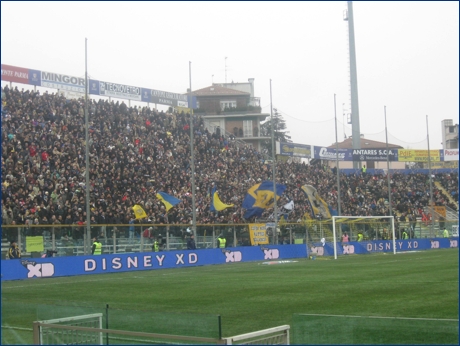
(271, 336)
(47, 333)
(362, 228)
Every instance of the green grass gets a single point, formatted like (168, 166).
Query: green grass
(252, 296)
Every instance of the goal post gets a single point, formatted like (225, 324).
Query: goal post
(46, 332)
(339, 220)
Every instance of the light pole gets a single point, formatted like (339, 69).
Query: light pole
(192, 152)
(88, 210)
(275, 235)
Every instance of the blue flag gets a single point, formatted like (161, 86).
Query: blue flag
(168, 201)
(260, 197)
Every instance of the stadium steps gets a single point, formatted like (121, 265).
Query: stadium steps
(444, 191)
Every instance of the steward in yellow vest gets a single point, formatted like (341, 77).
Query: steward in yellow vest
(221, 241)
(97, 247)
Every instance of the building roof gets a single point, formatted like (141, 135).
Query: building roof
(365, 143)
(216, 90)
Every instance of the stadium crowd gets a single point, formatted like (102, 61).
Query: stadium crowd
(136, 152)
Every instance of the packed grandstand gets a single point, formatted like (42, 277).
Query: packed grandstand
(135, 152)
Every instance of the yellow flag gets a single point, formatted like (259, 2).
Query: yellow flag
(139, 212)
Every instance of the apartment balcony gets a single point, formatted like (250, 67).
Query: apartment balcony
(230, 111)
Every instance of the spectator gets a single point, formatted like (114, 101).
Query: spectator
(191, 242)
(14, 252)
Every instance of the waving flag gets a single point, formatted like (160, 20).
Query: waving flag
(168, 201)
(216, 204)
(139, 212)
(260, 197)
(318, 205)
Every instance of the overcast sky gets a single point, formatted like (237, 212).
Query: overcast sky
(407, 56)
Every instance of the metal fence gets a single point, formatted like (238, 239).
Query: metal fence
(72, 240)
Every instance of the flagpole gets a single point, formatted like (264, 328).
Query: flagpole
(88, 210)
(388, 164)
(275, 234)
(339, 212)
(192, 151)
(431, 182)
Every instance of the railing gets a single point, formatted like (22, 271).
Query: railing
(65, 240)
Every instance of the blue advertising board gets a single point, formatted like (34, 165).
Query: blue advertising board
(82, 265)
(113, 263)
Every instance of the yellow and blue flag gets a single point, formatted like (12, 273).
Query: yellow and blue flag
(168, 201)
(317, 204)
(260, 197)
(216, 203)
(139, 212)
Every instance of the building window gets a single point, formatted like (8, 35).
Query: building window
(247, 128)
(197, 104)
(452, 129)
(227, 104)
(452, 144)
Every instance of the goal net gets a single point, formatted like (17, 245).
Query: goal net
(377, 234)
(49, 335)
(271, 336)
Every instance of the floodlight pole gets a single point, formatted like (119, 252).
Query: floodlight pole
(388, 162)
(192, 151)
(431, 182)
(275, 234)
(88, 210)
(339, 212)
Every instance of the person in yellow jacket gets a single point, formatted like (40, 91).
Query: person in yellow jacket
(445, 233)
(155, 245)
(360, 236)
(221, 241)
(97, 247)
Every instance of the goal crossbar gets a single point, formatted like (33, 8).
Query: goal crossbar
(342, 218)
(271, 336)
(37, 325)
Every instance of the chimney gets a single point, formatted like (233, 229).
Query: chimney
(251, 81)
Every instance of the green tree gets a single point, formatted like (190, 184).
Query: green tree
(280, 131)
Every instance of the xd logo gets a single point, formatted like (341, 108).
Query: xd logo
(348, 249)
(40, 270)
(232, 256)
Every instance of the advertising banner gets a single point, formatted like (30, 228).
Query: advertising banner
(122, 91)
(324, 153)
(440, 165)
(450, 154)
(62, 82)
(294, 149)
(93, 87)
(35, 77)
(15, 74)
(366, 247)
(374, 154)
(168, 98)
(258, 233)
(407, 155)
(117, 263)
(145, 95)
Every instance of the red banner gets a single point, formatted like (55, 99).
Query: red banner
(15, 74)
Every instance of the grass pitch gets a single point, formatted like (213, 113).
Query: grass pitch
(252, 296)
